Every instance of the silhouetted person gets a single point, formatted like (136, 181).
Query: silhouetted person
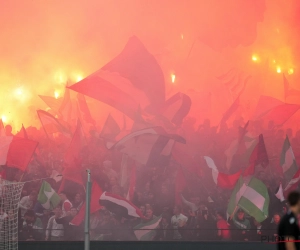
(288, 230)
(8, 130)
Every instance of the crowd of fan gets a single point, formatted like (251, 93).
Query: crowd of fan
(154, 192)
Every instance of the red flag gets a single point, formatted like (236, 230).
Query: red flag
(287, 90)
(137, 65)
(85, 109)
(264, 105)
(280, 114)
(139, 80)
(110, 129)
(72, 154)
(222, 180)
(22, 133)
(110, 89)
(66, 107)
(16, 152)
(96, 192)
(259, 156)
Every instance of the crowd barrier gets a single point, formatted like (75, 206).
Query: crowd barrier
(190, 235)
(138, 245)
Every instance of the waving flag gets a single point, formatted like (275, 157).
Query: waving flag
(146, 231)
(120, 206)
(264, 105)
(220, 179)
(52, 102)
(280, 114)
(292, 184)
(287, 90)
(251, 195)
(85, 109)
(16, 151)
(47, 197)
(72, 154)
(131, 79)
(288, 161)
(234, 106)
(50, 124)
(176, 108)
(110, 129)
(96, 192)
(259, 156)
(148, 146)
(137, 65)
(243, 146)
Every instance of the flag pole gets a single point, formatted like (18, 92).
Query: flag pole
(87, 212)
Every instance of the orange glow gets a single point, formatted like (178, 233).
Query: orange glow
(254, 58)
(18, 92)
(79, 78)
(60, 78)
(173, 78)
(4, 118)
(291, 71)
(274, 61)
(278, 70)
(56, 94)
(182, 36)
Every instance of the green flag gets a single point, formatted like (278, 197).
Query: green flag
(251, 195)
(47, 197)
(288, 162)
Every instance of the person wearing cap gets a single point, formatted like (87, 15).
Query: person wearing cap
(288, 229)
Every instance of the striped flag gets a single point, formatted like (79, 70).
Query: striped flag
(251, 195)
(259, 156)
(292, 184)
(47, 197)
(148, 146)
(288, 161)
(220, 179)
(96, 192)
(146, 231)
(244, 146)
(120, 206)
